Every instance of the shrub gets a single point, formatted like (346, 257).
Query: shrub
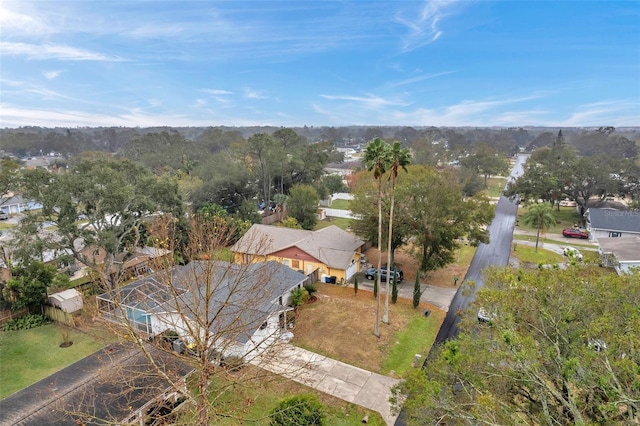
(298, 297)
(24, 323)
(311, 288)
(355, 285)
(298, 410)
(416, 291)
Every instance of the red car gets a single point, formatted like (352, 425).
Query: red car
(574, 233)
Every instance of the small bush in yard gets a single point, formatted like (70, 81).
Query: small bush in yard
(297, 298)
(298, 410)
(311, 288)
(24, 323)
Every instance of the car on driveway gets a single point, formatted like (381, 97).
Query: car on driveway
(574, 233)
(573, 253)
(370, 274)
(4, 216)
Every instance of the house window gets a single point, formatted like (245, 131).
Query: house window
(613, 234)
(286, 262)
(295, 264)
(246, 258)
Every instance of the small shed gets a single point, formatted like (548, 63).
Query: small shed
(69, 300)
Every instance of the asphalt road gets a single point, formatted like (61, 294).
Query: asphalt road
(495, 253)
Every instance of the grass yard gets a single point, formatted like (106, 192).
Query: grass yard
(27, 356)
(575, 242)
(340, 204)
(495, 186)
(529, 255)
(340, 222)
(566, 218)
(253, 400)
(340, 325)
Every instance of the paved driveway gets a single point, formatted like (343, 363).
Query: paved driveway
(344, 381)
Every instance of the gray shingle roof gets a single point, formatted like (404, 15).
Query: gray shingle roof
(614, 220)
(331, 245)
(240, 297)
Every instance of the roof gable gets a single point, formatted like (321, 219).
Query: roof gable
(331, 245)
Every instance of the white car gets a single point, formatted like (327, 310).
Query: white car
(573, 253)
(484, 316)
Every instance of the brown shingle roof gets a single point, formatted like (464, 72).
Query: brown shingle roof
(331, 245)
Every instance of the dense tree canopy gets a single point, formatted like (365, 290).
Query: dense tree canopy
(431, 211)
(302, 205)
(561, 348)
(101, 204)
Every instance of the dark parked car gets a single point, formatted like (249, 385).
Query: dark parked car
(370, 274)
(4, 216)
(574, 233)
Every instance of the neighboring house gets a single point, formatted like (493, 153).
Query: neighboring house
(16, 204)
(609, 223)
(247, 303)
(329, 251)
(623, 254)
(143, 260)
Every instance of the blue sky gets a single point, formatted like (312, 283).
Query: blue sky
(295, 63)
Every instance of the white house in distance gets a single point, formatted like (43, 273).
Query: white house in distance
(611, 223)
(623, 254)
(246, 310)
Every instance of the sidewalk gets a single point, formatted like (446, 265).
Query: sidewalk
(344, 381)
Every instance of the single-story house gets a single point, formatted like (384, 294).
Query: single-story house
(623, 254)
(16, 204)
(609, 223)
(68, 300)
(242, 306)
(329, 251)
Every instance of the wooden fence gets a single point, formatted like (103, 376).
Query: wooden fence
(6, 315)
(58, 315)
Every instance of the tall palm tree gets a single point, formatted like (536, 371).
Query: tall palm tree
(400, 158)
(541, 216)
(376, 159)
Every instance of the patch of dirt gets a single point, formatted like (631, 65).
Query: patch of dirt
(443, 277)
(341, 324)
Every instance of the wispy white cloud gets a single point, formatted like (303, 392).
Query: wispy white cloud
(12, 21)
(424, 28)
(53, 51)
(370, 101)
(47, 94)
(50, 75)
(253, 94)
(616, 112)
(216, 92)
(418, 79)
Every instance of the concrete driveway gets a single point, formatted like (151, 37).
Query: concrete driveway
(344, 381)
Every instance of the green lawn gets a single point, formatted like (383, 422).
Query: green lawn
(340, 204)
(416, 338)
(566, 217)
(528, 254)
(252, 401)
(567, 241)
(495, 186)
(340, 222)
(27, 356)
